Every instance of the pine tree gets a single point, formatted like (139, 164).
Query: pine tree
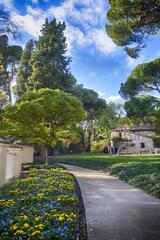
(25, 70)
(9, 60)
(50, 65)
(3, 61)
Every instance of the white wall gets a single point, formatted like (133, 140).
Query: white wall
(3, 160)
(27, 154)
(10, 163)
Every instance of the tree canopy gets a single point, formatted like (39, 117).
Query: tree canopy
(9, 59)
(131, 23)
(50, 65)
(24, 70)
(144, 78)
(43, 117)
(142, 109)
(94, 107)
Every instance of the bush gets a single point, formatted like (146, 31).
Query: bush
(98, 146)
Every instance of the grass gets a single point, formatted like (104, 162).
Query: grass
(142, 171)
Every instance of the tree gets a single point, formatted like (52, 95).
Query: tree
(14, 53)
(3, 61)
(93, 106)
(49, 61)
(144, 78)
(24, 70)
(131, 23)
(142, 109)
(107, 121)
(43, 117)
(9, 58)
(7, 26)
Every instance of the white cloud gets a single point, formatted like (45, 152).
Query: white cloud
(33, 11)
(92, 74)
(29, 24)
(115, 99)
(102, 42)
(35, 1)
(85, 21)
(132, 62)
(7, 4)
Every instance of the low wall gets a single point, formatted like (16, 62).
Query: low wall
(10, 163)
(3, 160)
(27, 154)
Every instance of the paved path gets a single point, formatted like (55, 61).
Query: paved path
(116, 210)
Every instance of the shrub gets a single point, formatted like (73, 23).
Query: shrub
(98, 146)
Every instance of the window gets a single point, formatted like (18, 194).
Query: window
(142, 145)
(120, 135)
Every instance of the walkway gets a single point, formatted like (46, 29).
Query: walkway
(116, 210)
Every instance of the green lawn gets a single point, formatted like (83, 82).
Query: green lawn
(141, 171)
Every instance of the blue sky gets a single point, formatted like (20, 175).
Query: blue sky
(97, 62)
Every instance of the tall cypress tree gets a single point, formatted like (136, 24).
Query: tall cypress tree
(50, 65)
(25, 69)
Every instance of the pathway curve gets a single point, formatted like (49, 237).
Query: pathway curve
(116, 210)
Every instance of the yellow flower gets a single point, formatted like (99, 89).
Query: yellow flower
(41, 226)
(37, 218)
(26, 225)
(19, 232)
(61, 218)
(14, 227)
(35, 233)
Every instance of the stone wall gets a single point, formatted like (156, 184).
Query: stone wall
(137, 142)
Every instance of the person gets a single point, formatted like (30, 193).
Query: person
(105, 149)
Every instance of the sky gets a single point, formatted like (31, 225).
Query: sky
(97, 62)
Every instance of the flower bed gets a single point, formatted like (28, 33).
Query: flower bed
(42, 205)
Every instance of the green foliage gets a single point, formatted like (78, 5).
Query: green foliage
(43, 117)
(105, 122)
(142, 109)
(144, 78)
(14, 53)
(3, 60)
(49, 61)
(98, 146)
(141, 171)
(9, 58)
(143, 175)
(131, 23)
(94, 107)
(24, 70)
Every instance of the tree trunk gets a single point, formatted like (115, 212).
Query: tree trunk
(44, 154)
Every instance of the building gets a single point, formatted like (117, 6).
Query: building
(134, 140)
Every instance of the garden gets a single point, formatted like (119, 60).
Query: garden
(42, 204)
(142, 171)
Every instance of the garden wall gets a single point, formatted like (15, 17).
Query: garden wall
(27, 154)
(3, 160)
(11, 158)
